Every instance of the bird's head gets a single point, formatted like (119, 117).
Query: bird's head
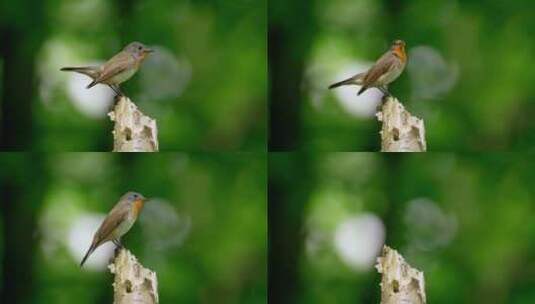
(138, 49)
(398, 47)
(136, 200)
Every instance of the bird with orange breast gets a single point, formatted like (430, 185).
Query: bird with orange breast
(382, 73)
(117, 223)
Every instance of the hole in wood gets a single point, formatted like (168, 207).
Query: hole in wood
(128, 286)
(128, 134)
(395, 132)
(395, 286)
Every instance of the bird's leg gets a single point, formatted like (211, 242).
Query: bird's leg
(118, 243)
(384, 90)
(114, 89)
(386, 94)
(118, 89)
(118, 247)
(118, 95)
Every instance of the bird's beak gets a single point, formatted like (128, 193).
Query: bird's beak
(149, 50)
(142, 199)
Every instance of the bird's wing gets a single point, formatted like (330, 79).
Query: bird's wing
(116, 216)
(114, 66)
(383, 64)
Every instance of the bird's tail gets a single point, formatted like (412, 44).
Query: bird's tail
(89, 251)
(90, 71)
(357, 80)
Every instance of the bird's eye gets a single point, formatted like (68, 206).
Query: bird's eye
(139, 48)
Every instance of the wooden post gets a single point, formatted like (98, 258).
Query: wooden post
(401, 131)
(400, 283)
(133, 283)
(133, 131)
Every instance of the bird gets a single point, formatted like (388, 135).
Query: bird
(385, 70)
(118, 69)
(117, 223)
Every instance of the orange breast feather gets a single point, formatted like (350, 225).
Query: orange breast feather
(400, 53)
(138, 205)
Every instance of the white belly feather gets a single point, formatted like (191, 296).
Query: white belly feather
(123, 227)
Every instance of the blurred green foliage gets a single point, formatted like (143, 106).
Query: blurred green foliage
(478, 71)
(464, 220)
(217, 254)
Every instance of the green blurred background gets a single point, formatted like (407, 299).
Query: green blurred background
(205, 85)
(469, 75)
(203, 231)
(465, 220)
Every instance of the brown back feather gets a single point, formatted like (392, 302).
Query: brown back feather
(379, 68)
(112, 220)
(115, 65)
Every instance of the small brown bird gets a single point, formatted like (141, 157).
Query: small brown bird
(382, 73)
(117, 222)
(118, 69)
